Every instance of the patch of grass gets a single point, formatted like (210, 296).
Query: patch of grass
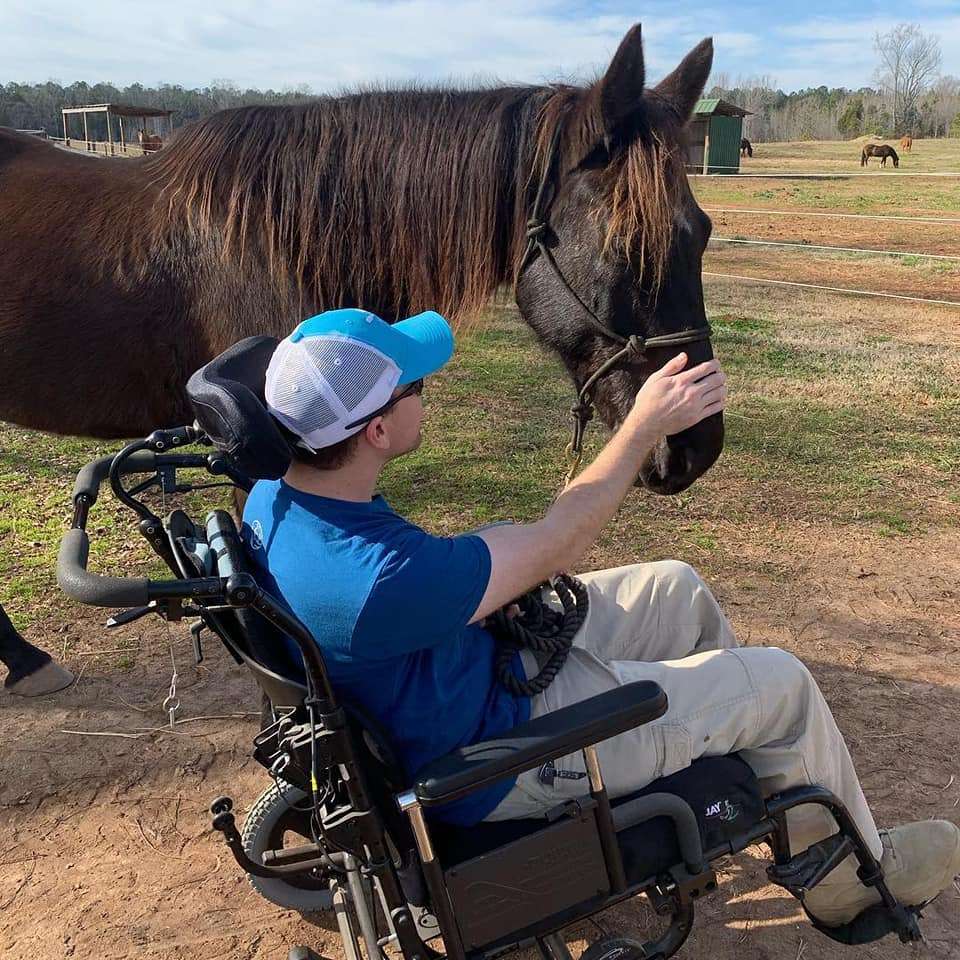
(701, 539)
(832, 459)
(889, 523)
(724, 323)
(940, 266)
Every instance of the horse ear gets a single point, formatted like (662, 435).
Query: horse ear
(682, 88)
(621, 89)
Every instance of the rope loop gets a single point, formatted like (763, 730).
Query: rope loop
(583, 411)
(637, 345)
(542, 629)
(536, 228)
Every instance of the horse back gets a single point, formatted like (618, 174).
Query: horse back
(13, 144)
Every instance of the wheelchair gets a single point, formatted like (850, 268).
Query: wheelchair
(369, 844)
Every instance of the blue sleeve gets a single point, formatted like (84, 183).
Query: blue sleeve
(425, 593)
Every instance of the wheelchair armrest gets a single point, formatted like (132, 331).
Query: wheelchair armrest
(532, 743)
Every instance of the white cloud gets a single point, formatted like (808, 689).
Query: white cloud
(325, 44)
(330, 45)
(842, 50)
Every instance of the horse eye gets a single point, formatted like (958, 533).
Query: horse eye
(599, 156)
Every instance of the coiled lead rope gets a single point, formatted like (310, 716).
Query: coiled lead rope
(539, 628)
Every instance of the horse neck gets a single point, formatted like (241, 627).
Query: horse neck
(413, 200)
(453, 196)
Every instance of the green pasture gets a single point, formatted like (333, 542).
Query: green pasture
(889, 193)
(855, 430)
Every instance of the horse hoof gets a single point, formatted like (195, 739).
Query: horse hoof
(49, 678)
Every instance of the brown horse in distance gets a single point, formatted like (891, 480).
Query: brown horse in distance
(906, 143)
(746, 147)
(882, 151)
(118, 278)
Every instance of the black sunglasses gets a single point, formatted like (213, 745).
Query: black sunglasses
(415, 387)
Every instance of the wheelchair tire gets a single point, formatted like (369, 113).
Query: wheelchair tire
(269, 818)
(614, 947)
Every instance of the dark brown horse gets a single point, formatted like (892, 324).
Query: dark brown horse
(881, 150)
(746, 147)
(119, 278)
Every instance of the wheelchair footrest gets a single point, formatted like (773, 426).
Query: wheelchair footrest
(802, 873)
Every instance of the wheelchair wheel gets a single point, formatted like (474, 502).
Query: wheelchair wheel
(612, 947)
(268, 823)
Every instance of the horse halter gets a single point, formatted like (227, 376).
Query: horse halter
(634, 346)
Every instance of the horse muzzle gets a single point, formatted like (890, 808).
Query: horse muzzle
(677, 461)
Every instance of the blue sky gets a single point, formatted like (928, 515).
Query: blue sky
(334, 44)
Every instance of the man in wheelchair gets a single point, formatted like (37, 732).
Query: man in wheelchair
(403, 617)
(454, 768)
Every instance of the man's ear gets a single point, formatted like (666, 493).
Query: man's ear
(378, 432)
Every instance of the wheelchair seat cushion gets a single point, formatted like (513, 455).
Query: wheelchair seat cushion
(722, 791)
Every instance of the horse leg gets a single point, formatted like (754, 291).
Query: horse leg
(32, 670)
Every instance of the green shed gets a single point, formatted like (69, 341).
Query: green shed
(714, 138)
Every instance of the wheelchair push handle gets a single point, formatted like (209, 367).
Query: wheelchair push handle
(94, 473)
(72, 574)
(91, 588)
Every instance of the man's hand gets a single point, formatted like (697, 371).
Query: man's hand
(674, 399)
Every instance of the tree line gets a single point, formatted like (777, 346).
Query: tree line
(908, 95)
(836, 113)
(36, 106)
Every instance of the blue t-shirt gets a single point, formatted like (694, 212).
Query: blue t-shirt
(389, 605)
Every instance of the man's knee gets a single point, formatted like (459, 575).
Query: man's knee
(776, 665)
(785, 683)
(678, 573)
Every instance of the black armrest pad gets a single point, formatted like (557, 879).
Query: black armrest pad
(536, 741)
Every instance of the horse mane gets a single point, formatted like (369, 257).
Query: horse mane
(448, 174)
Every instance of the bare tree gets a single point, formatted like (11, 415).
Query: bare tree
(941, 105)
(909, 61)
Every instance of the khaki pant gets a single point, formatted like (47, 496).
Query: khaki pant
(659, 621)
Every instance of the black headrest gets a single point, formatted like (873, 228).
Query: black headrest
(227, 399)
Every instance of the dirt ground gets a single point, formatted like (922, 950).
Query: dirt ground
(942, 239)
(107, 851)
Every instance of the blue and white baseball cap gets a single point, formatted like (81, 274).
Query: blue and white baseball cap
(342, 365)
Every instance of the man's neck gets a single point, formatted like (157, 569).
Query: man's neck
(357, 481)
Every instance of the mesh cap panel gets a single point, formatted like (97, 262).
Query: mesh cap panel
(307, 408)
(318, 385)
(351, 369)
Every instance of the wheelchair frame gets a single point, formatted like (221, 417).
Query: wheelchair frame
(361, 822)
